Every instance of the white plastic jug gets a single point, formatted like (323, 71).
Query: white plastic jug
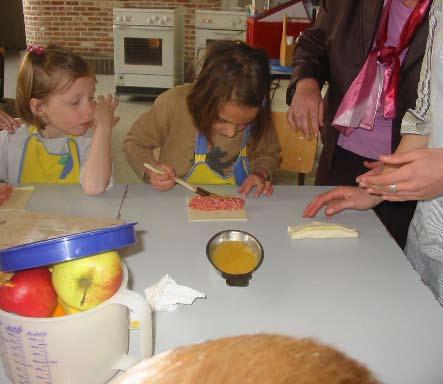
(83, 348)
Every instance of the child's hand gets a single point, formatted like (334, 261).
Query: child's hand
(259, 181)
(8, 123)
(104, 111)
(162, 182)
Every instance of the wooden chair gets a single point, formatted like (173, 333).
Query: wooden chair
(298, 152)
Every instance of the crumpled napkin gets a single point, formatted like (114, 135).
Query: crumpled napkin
(167, 294)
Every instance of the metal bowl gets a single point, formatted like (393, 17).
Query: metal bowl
(240, 280)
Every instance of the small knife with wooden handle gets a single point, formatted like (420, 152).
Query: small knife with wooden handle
(198, 190)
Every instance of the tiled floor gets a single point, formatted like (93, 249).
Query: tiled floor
(129, 109)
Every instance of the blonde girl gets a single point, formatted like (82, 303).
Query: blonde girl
(66, 138)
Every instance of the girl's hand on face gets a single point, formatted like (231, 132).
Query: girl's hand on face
(260, 182)
(8, 123)
(104, 111)
(162, 182)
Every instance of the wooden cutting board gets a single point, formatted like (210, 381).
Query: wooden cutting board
(21, 227)
(19, 198)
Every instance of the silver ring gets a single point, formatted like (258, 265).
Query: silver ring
(393, 188)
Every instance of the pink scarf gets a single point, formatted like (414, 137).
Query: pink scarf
(359, 105)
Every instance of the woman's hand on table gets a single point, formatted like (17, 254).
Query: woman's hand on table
(8, 123)
(339, 199)
(416, 175)
(258, 179)
(165, 181)
(306, 111)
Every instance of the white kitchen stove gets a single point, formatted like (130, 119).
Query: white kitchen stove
(211, 25)
(148, 49)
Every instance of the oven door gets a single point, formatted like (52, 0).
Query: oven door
(143, 50)
(204, 37)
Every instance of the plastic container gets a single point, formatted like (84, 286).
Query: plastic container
(87, 347)
(64, 248)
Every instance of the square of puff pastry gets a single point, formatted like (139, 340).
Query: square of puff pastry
(320, 230)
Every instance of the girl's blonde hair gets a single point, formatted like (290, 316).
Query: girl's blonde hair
(44, 71)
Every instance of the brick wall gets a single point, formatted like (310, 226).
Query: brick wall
(85, 26)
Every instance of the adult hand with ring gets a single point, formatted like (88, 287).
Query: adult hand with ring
(419, 176)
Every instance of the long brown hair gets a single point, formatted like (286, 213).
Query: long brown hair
(44, 71)
(231, 72)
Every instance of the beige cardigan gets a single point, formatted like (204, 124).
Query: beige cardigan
(168, 125)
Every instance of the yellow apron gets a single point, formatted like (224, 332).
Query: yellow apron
(202, 173)
(40, 167)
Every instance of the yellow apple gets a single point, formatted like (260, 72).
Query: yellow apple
(68, 310)
(84, 283)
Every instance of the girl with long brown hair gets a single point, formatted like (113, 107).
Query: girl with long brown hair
(217, 130)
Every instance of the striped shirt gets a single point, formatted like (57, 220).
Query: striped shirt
(418, 121)
(424, 247)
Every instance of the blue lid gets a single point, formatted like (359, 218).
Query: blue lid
(76, 246)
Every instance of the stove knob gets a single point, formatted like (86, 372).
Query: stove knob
(208, 21)
(233, 23)
(165, 19)
(127, 19)
(118, 18)
(156, 18)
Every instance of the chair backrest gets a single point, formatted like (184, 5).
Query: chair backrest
(298, 152)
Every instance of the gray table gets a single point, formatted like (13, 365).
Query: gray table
(70, 200)
(359, 295)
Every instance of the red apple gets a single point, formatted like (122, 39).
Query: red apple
(29, 293)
